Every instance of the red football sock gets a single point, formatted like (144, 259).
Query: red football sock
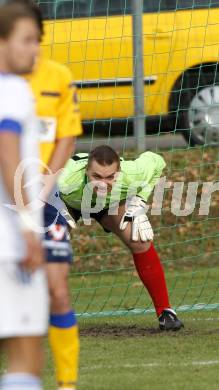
(151, 274)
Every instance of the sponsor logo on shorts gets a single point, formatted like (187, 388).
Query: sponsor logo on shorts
(57, 232)
(60, 253)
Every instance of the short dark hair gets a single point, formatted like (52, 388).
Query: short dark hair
(103, 155)
(13, 10)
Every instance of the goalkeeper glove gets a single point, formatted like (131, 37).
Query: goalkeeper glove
(136, 214)
(69, 219)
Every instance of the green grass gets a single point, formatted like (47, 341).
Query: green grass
(129, 353)
(122, 362)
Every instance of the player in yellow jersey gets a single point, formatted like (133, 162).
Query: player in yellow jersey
(57, 106)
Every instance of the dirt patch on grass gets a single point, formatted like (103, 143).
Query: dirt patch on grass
(137, 331)
(119, 331)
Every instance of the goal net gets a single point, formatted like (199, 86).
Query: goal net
(181, 96)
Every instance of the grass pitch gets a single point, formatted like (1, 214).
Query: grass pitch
(130, 353)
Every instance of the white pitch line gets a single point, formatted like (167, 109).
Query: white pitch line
(204, 319)
(145, 365)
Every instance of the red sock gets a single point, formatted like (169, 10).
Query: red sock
(151, 274)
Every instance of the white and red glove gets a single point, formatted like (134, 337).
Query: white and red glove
(136, 215)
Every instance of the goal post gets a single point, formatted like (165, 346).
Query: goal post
(138, 75)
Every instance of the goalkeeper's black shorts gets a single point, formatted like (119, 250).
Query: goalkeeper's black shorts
(76, 214)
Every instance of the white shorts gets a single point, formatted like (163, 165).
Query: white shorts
(24, 303)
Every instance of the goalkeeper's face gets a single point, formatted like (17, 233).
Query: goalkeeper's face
(102, 177)
(21, 48)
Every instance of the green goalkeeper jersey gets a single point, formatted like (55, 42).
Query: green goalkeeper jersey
(136, 177)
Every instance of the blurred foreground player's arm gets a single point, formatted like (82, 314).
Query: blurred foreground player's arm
(149, 167)
(10, 146)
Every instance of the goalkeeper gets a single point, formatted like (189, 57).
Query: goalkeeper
(97, 186)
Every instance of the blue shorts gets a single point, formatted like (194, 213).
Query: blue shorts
(56, 241)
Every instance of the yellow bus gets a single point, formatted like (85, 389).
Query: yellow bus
(181, 53)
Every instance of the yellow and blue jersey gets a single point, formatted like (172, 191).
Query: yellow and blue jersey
(58, 109)
(56, 104)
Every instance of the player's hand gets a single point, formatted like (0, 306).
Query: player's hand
(34, 257)
(136, 215)
(69, 219)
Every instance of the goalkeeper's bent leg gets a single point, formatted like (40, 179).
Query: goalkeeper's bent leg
(146, 261)
(64, 342)
(151, 273)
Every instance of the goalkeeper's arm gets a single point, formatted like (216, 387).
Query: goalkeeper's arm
(68, 217)
(149, 166)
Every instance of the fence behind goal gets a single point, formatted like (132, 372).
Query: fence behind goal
(181, 52)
